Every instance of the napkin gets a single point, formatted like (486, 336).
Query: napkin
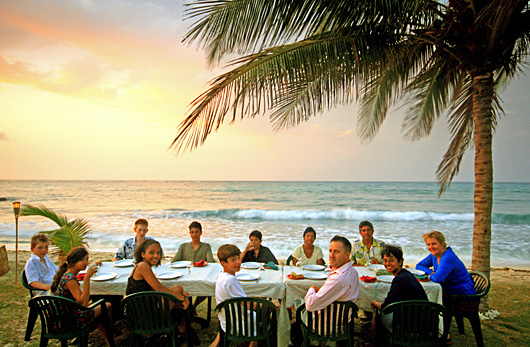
(200, 263)
(295, 276)
(422, 278)
(81, 277)
(271, 265)
(368, 279)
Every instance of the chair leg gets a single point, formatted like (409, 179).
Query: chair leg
(32, 319)
(64, 343)
(209, 312)
(477, 329)
(460, 324)
(43, 341)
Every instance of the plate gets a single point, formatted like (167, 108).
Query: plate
(315, 276)
(313, 267)
(250, 265)
(169, 275)
(104, 276)
(385, 278)
(247, 277)
(124, 263)
(416, 271)
(375, 267)
(180, 264)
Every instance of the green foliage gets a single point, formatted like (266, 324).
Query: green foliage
(68, 235)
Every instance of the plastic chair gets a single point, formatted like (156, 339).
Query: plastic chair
(149, 313)
(32, 317)
(289, 260)
(247, 319)
(414, 323)
(482, 287)
(59, 320)
(334, 323)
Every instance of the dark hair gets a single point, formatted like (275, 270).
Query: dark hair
(226, 251)
(197, 225)
(142, 247)
(255, 233)
(76, 254)
(366, 223)
(310, 230)
(142, 221)
(39, 238)
(396, 251)
(345, 242)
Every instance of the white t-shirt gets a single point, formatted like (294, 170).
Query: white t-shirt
(299, 254)
(227, 287)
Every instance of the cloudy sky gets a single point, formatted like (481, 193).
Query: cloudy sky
(94, 89)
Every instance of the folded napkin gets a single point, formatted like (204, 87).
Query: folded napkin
(368, 279)
(81, 277)
(295, 276)
(200, 263)
(270, 265)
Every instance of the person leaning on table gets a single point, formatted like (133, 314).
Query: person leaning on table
(308, 253)
(367, 249)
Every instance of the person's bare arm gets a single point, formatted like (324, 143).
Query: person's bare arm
(40, 285)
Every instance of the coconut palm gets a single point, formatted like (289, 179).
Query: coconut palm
(70, 234)
(303, 57)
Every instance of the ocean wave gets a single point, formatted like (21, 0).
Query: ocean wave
(337, 214)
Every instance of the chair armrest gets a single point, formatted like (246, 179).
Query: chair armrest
(97, 303)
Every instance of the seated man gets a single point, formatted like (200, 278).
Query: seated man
(404, 286)
(343, 281)
(39, 269)
(195, 251)
(367, 250)
(126, 250)
(256, 252)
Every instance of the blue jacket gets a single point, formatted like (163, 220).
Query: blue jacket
(451, 273)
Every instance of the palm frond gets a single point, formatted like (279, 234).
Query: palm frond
(68, 235)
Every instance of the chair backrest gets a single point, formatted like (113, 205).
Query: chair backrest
(149, 312)
(415, 322)
(334, 323)
(289, 260)
(32, 291)
(58, 316)
(247, 319)
(481, 282)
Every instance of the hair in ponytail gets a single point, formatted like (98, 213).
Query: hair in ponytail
(75, 255)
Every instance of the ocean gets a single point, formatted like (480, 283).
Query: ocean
(228, 211)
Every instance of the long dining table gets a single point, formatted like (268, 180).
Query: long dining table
(200, 281)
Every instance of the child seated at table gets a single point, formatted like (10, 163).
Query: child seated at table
(255, 252)
(227, 285)
(195, 251)
(39, 269)
(65, 284)
(126, 250)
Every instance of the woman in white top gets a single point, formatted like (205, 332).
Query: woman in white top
(308, 253)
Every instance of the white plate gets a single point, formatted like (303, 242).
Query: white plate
(169, 275)
(375, 267)
(250, 265)
(416, 271)
(104, 276)
(247, 277)
(124, 263)
(180, 264)
(316, 275)
(313, 267)
(386, 278)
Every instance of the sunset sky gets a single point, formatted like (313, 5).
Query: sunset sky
(94, 89)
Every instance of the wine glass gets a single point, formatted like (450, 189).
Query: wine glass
(188, 265)
(168, 260)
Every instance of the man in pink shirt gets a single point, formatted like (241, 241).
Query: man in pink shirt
(343, 281)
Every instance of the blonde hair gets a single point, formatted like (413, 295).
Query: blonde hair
(435, 235)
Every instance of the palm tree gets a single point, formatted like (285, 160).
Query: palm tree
(67, 236)
(302, 57)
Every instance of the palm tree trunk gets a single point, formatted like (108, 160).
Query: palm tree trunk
(483, 89)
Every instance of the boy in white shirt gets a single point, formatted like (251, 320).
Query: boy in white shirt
(227, 285)
(39, 269)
